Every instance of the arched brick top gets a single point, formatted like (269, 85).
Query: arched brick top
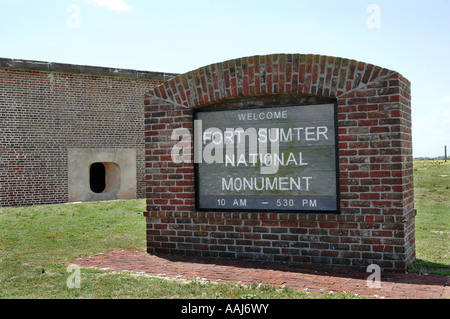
(298, 74)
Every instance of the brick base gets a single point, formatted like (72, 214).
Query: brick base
(341, 240)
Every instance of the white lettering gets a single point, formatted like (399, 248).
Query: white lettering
(267, 159)
(209, 310)
(249, 145)
(309, 203)
(322, 130)
(241, 309)
(213, 152)
(239, 184)
(229, 186)
(241, 202)
(262, 135)
(229, 134)
(309, 132)
(229, 160)
(285, 137)
(269, 115)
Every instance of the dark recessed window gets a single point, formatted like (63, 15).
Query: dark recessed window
(97, 177)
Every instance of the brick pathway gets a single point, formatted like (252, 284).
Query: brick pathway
(393, 285)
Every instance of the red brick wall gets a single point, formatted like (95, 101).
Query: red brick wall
(44, 113)
(376, 222)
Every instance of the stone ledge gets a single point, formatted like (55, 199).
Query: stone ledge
(6, 63)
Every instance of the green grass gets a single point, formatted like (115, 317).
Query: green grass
(432, 201)
(36, 242)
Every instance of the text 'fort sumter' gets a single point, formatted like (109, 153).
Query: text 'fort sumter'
(283, 151)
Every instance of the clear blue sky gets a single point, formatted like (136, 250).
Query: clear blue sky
(411, 37)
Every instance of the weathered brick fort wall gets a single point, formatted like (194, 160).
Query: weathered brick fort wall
(48, 108)
(375, 224)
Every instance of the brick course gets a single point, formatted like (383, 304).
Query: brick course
(376, 220)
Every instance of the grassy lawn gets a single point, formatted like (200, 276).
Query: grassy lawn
(36, 241)
(432, 201)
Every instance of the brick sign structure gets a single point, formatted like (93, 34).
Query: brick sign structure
(372, 221)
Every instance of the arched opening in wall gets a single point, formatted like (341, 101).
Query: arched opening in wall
(97, 177)
(104, 177)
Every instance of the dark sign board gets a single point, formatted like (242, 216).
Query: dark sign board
(278, 158)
